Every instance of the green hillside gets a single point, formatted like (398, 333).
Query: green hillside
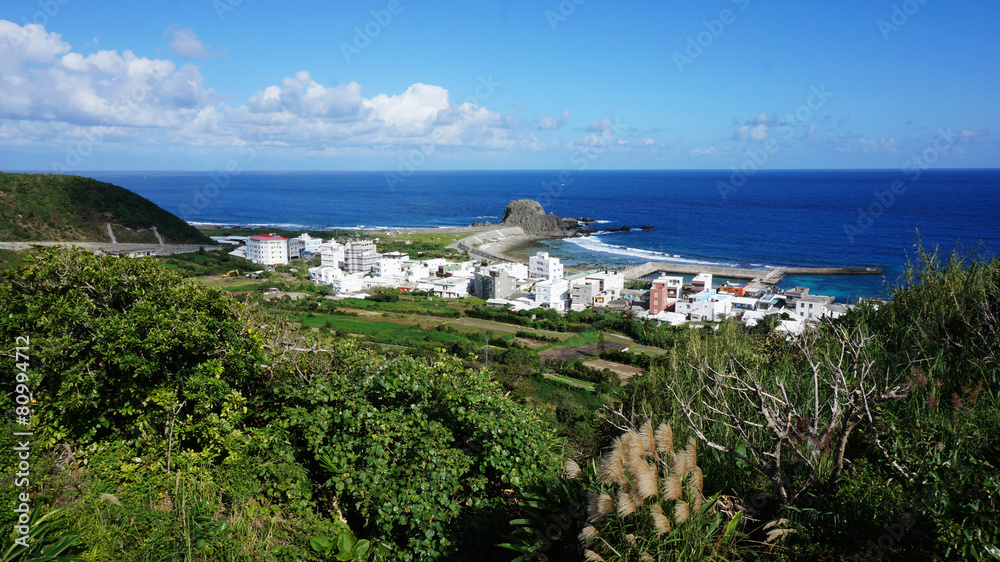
(52, 207)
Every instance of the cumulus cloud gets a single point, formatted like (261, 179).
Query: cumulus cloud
(185, 44)
(973, 136)
(52, 96)
(756, 133)
(302, 96)
(599, 125)
(762, 119)
(42, 79)
(710, 151)
(550, 123)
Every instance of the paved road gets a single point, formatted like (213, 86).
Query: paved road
(109, 248)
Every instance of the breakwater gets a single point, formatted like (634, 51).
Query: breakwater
(765, 276)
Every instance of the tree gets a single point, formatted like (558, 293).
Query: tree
(421, 456)
(786, 419)
(118, 344)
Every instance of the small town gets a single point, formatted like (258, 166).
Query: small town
(355, 269)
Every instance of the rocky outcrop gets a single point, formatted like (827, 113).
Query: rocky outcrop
(529, 215)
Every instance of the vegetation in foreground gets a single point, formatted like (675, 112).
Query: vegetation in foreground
(172, 422)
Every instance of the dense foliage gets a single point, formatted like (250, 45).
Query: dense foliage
(164, 413)
(173, 423)
(52, 207)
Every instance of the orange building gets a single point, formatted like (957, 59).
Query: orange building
(664, 294)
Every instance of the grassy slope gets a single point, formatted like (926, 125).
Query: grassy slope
(52, 207)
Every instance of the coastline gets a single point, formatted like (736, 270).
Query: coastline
(515, 248)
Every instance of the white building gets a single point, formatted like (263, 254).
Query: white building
(514, 269)
(611, 283)
(332, 255)
(706, 305)
(310, 244)
(324, 275)
(348, 284)
(552, 293)
(388, 267)
(434, 264)
(416, 272)
(452, 287)
(701, 282)
(811, 307)
(541, 266)
(267, 249)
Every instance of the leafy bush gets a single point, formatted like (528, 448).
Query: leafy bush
(421, 456)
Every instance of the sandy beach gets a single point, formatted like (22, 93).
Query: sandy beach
(514, 248)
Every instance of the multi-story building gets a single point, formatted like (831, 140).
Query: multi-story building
(582, 294)
(295, 248)
(309, 244)
(348, 283)
(694, 306)
(552, 293)
(324, 275)
(701, 282)
(452, 287)
(361, 256)
(812, 307)
(664, 293)
(388, 267)
(541, 266)
(515, 269)
(332, 255)
(607, 282)
(267, 249)
(493, 284)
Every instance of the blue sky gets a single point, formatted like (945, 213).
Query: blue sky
(497, 84)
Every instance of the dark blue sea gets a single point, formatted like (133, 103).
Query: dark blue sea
(792, 218)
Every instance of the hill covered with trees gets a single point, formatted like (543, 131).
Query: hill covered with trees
(63, 208)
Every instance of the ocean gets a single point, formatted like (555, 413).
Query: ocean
(808, 218)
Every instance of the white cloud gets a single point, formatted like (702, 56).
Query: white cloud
(969, 135)
(302, 96)
(185, 44)
(550, 123)
(53, 97)
(599, 125)
(757, 133)
(710, 151)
